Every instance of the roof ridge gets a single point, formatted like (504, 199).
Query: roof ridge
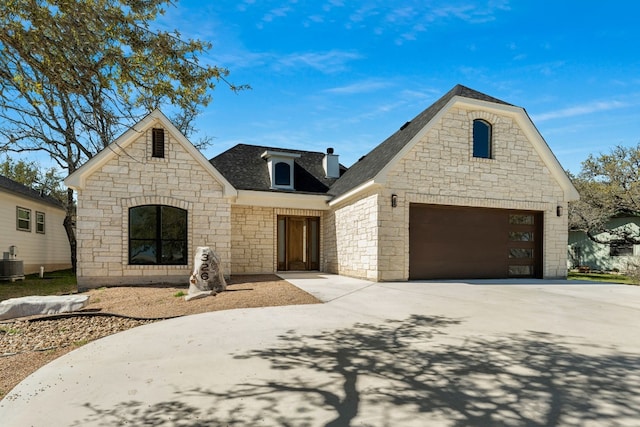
(267, 147)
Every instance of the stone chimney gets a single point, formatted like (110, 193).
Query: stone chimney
(331, 164)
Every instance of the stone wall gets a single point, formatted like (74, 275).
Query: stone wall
(136, 178)
(352, 238)
(441, 169)
(254, 237)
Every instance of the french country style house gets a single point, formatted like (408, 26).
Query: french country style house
(466, 189)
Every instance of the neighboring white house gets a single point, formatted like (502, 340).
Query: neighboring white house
(33, 223)
(467, 189)
(584, 252)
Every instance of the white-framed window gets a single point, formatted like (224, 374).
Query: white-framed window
(282, 174)
(23, 219)
(281, 168)
(40, 222)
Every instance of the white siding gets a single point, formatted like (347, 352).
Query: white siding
(50, 250)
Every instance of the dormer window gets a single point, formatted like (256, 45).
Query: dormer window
(280, 164)
(282, 173)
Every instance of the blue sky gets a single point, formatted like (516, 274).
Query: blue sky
(347, 74)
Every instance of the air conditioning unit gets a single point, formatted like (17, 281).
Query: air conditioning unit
(11, 269)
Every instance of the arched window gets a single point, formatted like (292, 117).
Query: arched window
(282, 173)
(481, 139)
(157, 235)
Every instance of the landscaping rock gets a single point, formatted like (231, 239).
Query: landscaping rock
(207, 278)
(35, 305)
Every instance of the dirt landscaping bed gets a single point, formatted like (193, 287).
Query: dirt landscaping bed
(28, 344)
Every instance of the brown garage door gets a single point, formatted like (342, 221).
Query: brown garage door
(450, 242)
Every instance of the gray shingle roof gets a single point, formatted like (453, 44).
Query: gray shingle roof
(243, 166)
(371, 164)
(14, 187)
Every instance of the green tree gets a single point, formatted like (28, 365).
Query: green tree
(75, 73)
(609, 186)
(34, 176)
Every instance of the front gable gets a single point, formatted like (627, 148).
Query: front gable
(440, 158)
(152, 141)
(145, 204)
(461, 106)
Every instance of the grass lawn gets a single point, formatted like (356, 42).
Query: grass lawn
(601, 277)
(54, 283)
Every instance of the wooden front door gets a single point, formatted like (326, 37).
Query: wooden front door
(298, 243)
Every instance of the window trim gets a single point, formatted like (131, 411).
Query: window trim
(281, 165)
(275, 157)
(158, 240)
(18, 219)
(38, 222)
(475, 147)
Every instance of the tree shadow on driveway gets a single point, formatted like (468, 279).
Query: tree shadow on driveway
(410, 372)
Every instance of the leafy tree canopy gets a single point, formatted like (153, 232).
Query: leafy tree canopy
(76, 73)
(73, 72)
(609, 186)
(33, 176)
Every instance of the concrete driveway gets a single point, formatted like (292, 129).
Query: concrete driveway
(481, 353)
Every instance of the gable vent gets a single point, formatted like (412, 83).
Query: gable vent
(157, 142)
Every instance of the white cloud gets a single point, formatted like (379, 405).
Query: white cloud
(276, 13)
(580, 110)
(318, 19)
(327, 62)
(359, 87)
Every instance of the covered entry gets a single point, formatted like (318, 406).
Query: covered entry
(298, 243)
(451, 242)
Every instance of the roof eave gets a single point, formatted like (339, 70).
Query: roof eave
(372, 183)
(278, 199)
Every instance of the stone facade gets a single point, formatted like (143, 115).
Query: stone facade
(440, 169)
(136, 178)
(254, 237)
(352, 236)
(361, 233)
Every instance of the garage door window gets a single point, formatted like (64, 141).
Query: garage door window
(520, 270)
(521, 236)
(520, 253)
(521, 219)
(523, 252)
